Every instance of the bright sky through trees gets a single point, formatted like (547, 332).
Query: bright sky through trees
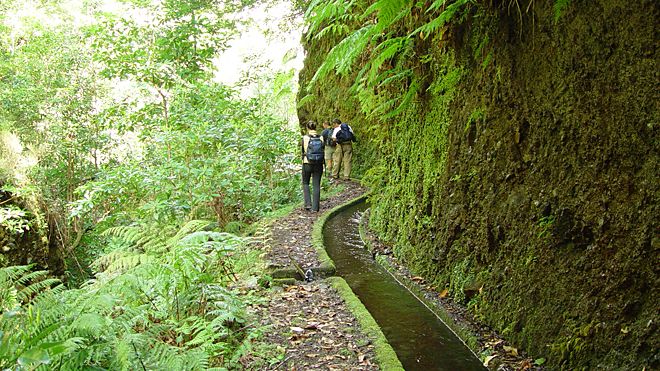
(264, 41)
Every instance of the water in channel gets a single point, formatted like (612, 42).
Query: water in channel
(419, 338)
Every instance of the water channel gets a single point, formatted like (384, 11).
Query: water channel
(419, 338)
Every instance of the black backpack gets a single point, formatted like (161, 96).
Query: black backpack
(327, 137)
(344, 135)
(315, 150)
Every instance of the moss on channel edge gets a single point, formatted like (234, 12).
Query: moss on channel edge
(385, 355)
(327, 267)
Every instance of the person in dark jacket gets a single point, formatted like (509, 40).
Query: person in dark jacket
(329, 147)
(311, 170)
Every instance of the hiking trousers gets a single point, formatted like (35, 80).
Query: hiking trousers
(329, 152)
(342, 159)
(313, 171)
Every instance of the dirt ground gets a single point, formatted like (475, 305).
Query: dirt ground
(309, 322)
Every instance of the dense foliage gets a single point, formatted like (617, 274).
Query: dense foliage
(121, 154)
(511, 144)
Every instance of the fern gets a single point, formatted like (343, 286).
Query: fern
(389, 12)
(307, 99)
(32, 333)
(157, 303)
(189, 227)
(559, 7)
(448, 14)
(336, 14)
(385, 51)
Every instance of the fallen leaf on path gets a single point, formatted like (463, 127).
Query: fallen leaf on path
(444, 293)
(511, 350)
(493, 344)
(488, 359)
(525, 365)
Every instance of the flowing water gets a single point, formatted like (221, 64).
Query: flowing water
(419, 338)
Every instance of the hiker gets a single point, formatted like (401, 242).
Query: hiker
(342, 134)
(329, 147)
(312, 157)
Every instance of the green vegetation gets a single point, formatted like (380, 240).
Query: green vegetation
(158, 301)
(497, 167)
(127, 172)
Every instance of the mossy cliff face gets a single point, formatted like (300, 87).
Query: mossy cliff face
(524, 176)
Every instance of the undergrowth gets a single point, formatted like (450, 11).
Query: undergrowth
(158, 301)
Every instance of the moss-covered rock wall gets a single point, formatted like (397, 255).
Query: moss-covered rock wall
(524, 175)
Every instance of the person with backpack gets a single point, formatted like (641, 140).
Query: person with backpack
(313, 150)
(329, 147)
(342, 134)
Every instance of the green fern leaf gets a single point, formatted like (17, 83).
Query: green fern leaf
(446, 16)
(385, 51)
(342, 56)
(309, 98)
(559, 7)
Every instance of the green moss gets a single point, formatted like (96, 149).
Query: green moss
(464, 207)
(327, 265)
(385, 355)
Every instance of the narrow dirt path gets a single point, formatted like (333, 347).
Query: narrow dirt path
(291, 236)
(309, 322)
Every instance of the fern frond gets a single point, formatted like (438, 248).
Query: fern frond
(335, 29)
(126, 262)
(129, 234)
(14, 272)
(437, 4)
(385, 51)
(343, 55)
(91, 324)
(405, 100)
(389, 12)
(36, 288)
(309, 98)
(164, 356)
(189, 227)
(446, 16)
(24, 279)
(559, 7)
(202, 238)
(324, 12)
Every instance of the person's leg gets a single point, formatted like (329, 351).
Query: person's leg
(347, 150)
(336, 161)
(306, 174)
(316, 185)
(329, 152)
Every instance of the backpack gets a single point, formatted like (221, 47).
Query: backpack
(327, 137)
(344, 134)
(315, 150)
